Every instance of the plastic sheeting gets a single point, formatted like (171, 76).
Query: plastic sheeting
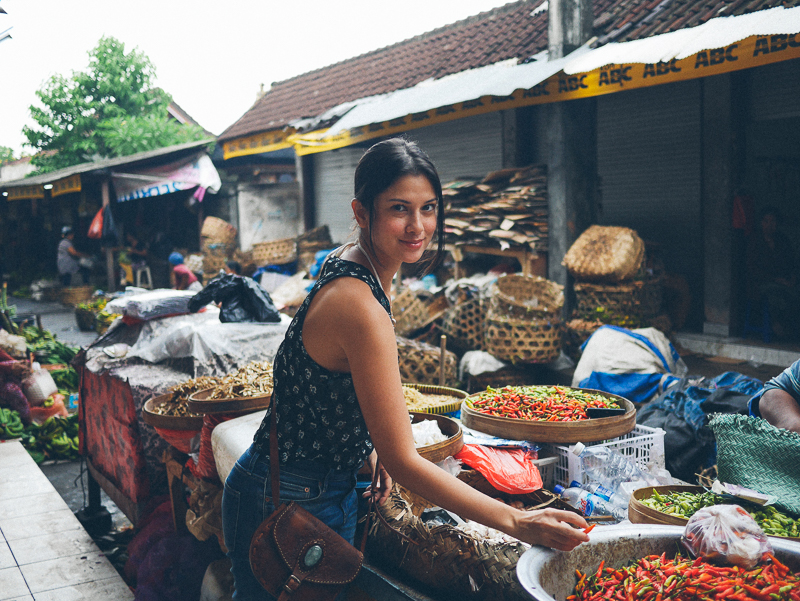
(206, 346)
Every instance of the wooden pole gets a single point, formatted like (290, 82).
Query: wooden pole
(442, 357)
(109, 253)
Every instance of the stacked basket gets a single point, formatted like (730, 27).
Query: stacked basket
(611, 285)
(218, 238)
(523, 321)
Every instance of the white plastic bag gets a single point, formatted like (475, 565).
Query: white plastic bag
(38, 386)
(726, 534)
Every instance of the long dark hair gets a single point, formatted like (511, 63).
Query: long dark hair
(386, 162)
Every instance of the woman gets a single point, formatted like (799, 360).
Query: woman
(182, 276)
(337, 385)
(67, 259)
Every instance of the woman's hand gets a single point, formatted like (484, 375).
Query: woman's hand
(554, 528)
(383, 487)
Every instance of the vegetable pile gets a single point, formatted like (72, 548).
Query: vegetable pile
(686, 504)
(55, 438)
(538, 403)
(44, 343)
(654, 578)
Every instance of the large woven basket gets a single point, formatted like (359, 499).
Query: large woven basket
(523, 340)
(465, 325)
(275, 252)
(444, 557)
(576, 332)
(753, 453)
(419, 363)
(72, 295)
(639, 298)
(314, 240)
(218, 230)
(85, 319)
(526, 296)
(413, 312)
(605, 254)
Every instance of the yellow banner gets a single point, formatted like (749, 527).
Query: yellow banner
(269, 141)
(754, 51)
(23, 192)
(66, 186)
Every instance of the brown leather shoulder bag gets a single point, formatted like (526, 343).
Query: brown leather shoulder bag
(296, 556)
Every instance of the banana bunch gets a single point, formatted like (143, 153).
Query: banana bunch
(55, 438)
(10, 424)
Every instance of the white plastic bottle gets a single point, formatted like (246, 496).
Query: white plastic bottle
(589, 504)
(608, 467)
(615, 498)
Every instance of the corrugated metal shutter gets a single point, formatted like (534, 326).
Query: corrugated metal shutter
(464, 147)
(775, 91)
(649, 158)
(333, 189)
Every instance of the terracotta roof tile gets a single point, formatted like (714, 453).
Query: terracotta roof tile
(510, 31)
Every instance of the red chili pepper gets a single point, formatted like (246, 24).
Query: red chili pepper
(588, 529)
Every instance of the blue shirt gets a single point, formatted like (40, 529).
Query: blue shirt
(788, 381)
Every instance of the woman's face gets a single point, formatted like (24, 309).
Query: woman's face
(404, 220)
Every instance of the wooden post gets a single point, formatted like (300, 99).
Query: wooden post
(109, 253)
(442, 357)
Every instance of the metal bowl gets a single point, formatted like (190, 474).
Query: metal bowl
(549, 575)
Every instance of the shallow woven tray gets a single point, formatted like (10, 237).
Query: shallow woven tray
(200, 403)
(605, 254)
(169, 422)
(458, 397)
(639, 513)
(449, 427)
(589, 430)
(218, 230)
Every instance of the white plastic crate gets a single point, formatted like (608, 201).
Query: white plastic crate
(547, 468)
(643, 444)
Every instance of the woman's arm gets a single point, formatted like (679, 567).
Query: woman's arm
(780, 409)
(365, 333)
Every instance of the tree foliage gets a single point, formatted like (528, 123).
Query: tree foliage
(112, 109)
(6, 154)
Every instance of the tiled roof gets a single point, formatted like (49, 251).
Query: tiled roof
(514, 30)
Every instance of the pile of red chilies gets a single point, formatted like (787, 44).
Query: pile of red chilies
(538, 403)
(654, 578)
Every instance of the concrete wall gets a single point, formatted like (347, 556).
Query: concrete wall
(268, 212)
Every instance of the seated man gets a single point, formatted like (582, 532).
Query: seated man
(779, 400)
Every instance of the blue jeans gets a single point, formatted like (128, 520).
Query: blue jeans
(246, 502)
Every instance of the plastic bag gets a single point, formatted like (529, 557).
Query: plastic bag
(509, 471)
(42, 414)
(96, 228)
(243, 300)
(38, 386)
(726, 534)
(110, 235)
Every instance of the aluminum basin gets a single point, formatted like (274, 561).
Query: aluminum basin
(549, 575)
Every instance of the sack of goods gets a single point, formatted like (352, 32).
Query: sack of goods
(605, 254)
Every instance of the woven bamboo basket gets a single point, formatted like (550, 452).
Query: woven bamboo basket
(275, 252)
(465, 324)
(605, 254)
(524, 297)
(314, 240)
(85, 319)
(413, 312)
(72, 295)
(212, 264)
(419, 363)
(218, 230)
(523, 340)
(445, 558)
(639, 298)
(576, 332)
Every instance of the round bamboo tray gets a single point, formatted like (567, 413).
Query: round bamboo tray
(639, 513)
(589, 430)
(440, 450)
(458, 397)
(200, 403)
(169, 422)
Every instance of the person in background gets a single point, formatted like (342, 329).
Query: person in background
(182, 276)
(233, 267)
(779, 401)
(68, 258)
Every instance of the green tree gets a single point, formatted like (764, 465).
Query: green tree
(6, 154)
(112, 109)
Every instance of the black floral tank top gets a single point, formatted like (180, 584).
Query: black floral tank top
(319, 418)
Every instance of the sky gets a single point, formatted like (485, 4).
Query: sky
(211, 56)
